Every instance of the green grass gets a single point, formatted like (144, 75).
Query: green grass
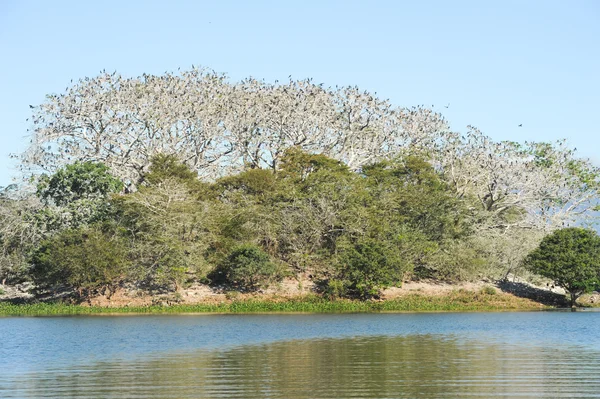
(456, 301)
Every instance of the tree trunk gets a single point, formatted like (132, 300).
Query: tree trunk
(573, 299)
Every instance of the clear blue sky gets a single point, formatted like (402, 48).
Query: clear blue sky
(498, 63)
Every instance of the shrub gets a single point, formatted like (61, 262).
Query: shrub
(336, 289)
(487, 290)
(369, 265)
(84, 259)
(453, 261)
(248, 266)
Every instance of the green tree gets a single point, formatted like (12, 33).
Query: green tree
(248, 266)
(168, 167)
(414, 192)
(571, 258)
(78, 181)
(369, 265)
(75, 196)
(86, 259)
(170, 228)
(298, 164)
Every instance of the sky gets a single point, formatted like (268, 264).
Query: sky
(498, 64)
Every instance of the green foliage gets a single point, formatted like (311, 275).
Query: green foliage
(297, 164)
(369, 265)
(78, 181)
(454, 302)
(164, 167)
(84, 259)
(358, 232)
(415, 193)
(170, 234)
(453, 261)
(13, 267)
(75, 196)
(571, 258)
(249, 267)
(487, 290)
(336, 288)
(258, 182)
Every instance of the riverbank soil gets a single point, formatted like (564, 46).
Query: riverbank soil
(130, 296)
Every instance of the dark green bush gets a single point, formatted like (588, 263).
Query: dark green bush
(369, 265)
(248, 266)
(87, 260)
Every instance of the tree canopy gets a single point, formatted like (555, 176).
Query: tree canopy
(571, 258)
(185, 167)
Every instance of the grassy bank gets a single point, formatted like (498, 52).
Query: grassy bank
(455, 301)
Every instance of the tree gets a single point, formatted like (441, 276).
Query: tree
(369, 265)
(78, 181)
(248, 266)
(76, 195)
(531, 185)
(317, 164)
(84, 259)
(571, 258)
(170, 227)
(215, 126)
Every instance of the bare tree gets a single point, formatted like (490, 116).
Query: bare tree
(531, 185)
(214, 126)
(218, 127)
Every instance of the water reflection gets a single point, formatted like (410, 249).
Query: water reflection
(424, 366)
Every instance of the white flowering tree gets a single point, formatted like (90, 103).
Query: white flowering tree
(217, 127)
(214, 126)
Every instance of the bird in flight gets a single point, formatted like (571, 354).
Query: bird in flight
(446, 106)
(521, 125)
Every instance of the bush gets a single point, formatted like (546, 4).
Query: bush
(453, 261)
(336, 289)
(369, 265)
(248, 266)
(487, 290)
(13, 268)
(84, 259)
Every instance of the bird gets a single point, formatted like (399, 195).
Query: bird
(521, 125)
(446, 106)
(31, 106)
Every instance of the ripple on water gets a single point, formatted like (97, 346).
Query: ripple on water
(357, 356)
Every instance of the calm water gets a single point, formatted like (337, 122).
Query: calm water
(457, 355)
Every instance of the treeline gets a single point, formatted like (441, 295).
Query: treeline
(163, 180)
(353, 232)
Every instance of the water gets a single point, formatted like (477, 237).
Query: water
(448, 355)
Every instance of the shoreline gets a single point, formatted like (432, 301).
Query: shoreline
(458, 301)
(291, 297)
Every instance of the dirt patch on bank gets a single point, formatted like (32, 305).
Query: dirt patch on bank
(131, 296)
(432, 288)
(202, 293)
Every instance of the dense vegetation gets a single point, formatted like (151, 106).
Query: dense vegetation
(164, 180)
(571, 258)
(456, 301)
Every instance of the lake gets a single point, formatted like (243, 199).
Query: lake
(287, 356)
